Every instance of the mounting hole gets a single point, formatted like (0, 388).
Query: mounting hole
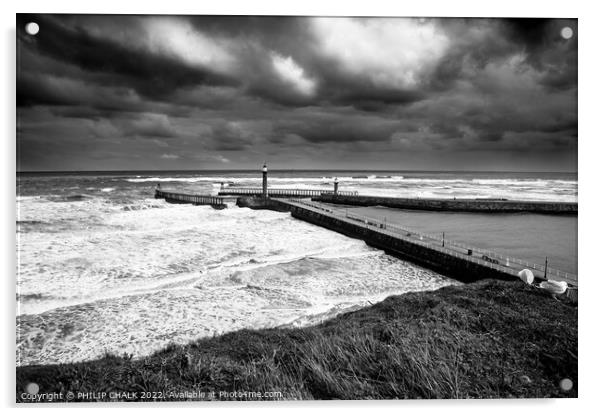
(32, 388)
(566, 384)
(32, 28)
(566, 32)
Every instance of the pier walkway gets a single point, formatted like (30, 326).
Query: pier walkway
(281, 192)
(505, 265)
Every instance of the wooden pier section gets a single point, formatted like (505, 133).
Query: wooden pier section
(182, 198)
(281, 192)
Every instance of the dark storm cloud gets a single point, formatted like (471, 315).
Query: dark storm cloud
(226, 136)
(367, 97)
(222, 89)
(142, 125)
(538, 35)
(113, 63)
(339, 128)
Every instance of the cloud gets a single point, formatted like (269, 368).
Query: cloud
(237, 135)
(221, 159)
(394, 53)
(235, 89)
(151, 125)
(292, 73)
(177, 38)
(119, 57)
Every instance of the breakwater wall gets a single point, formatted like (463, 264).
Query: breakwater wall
(454, 266)
(466, 205)
(180, 198)
(439, 259)
(262, 203)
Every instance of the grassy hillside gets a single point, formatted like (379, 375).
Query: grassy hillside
(484, 340)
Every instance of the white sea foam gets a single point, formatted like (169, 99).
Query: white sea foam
(21, 198)
(228, 179)
(130, 281)
(537, 190)
(141, 247)
(294, 293)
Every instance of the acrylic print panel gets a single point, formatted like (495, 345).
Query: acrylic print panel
(282, 208)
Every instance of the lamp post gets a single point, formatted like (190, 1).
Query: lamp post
(545, 269)
(265, 181)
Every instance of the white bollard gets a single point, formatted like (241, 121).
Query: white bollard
(526, 276)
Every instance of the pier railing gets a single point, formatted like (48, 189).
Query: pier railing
(283, 192)
(478, 255)
(189, 198)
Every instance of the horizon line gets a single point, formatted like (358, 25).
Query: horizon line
(295, 170)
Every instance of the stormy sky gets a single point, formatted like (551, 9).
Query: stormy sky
(220, 92)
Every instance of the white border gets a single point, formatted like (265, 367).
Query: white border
(589, 181)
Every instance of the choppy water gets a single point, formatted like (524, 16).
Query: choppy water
(515, 186)
(104, 267)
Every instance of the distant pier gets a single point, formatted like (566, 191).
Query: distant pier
(280, 192)
(485, 205)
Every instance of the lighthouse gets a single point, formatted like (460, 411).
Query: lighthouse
(265, 180)
(336, 186)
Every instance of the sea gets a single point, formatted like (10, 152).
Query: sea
(103, 267)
